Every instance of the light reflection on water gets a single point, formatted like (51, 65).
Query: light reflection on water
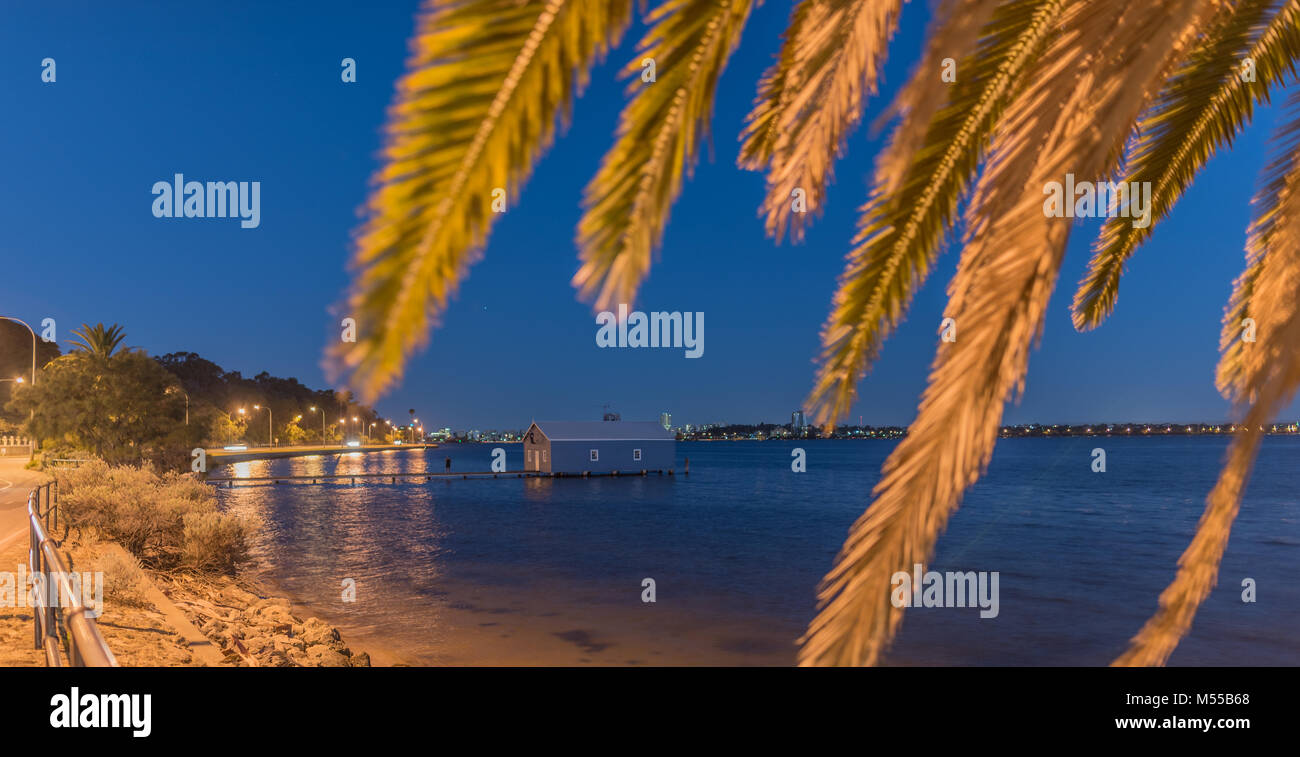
(545, 571)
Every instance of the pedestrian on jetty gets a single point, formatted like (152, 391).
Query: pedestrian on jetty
(448, 464)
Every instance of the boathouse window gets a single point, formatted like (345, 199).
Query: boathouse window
(636, 454)
(546, 456)
(595, 455)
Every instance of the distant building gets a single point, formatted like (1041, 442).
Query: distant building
(666, 420)
(797, 420)
(577, 447)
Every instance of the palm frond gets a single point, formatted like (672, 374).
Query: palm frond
(1268, 372)
(1083, 96)
(900, 233)
(628, 202)
(1202, 108)
(486, 83)
(99, 340)
(811, 101)
(775, 88)
(955, 34)
(1231, 373)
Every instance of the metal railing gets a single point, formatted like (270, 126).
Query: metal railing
(60, 617)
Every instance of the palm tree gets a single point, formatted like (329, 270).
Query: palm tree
(98, 341)
(1099, 89)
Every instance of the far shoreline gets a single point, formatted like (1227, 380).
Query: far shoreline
(221, 456)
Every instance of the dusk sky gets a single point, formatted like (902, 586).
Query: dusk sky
(251, 92)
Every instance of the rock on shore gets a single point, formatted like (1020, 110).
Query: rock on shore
(257, 630)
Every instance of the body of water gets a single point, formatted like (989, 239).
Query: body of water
(551, 571)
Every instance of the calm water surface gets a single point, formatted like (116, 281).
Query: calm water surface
(541, 571)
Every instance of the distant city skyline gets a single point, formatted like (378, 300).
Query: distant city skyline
(516, 343)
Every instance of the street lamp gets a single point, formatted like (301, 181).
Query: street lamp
(29, 328)
(270, 429)
(322, 424)
(369, 430)
(171, 389)
(16, 379)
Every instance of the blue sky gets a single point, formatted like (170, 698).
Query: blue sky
(251, 92)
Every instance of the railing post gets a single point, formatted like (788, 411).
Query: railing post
(33, 564)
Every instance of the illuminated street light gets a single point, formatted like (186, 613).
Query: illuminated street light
(33, 332)
(322, 424)
(270, 429)
(171, 389)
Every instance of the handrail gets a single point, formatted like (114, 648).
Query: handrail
(78, 632)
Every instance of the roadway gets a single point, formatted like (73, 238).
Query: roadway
(15, 483)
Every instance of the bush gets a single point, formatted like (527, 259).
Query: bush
(169, 522)
(213, 543)
(123, 581)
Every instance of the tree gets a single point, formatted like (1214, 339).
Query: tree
(293, 433)
(16, 360)
(98, 340)
(116, 407)
(224, 428)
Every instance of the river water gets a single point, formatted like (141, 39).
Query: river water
(551, 571)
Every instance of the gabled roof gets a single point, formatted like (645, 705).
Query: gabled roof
(570, 431)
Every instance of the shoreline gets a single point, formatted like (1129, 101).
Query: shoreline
(381, 653)
(219, 456)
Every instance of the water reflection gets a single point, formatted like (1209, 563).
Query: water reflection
(539, 570)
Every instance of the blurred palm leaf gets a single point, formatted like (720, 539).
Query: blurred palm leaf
(955, 33)
(999, 297)
(811, 100)
(900, 232)
(486, 83)
(628, 202)
(1205, 104)
(1266, 371)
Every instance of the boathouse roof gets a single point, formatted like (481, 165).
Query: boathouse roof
(573, 431)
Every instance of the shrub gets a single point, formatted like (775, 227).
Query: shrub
(123, 581)
(213, 543)
(169, 522)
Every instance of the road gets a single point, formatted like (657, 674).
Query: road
(15, 482)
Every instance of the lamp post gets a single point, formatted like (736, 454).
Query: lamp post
(29, 328)
(171, 389)
(369, 430)
(322, 424)
(270, 428)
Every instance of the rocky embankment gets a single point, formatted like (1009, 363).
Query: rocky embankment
(253, 629)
